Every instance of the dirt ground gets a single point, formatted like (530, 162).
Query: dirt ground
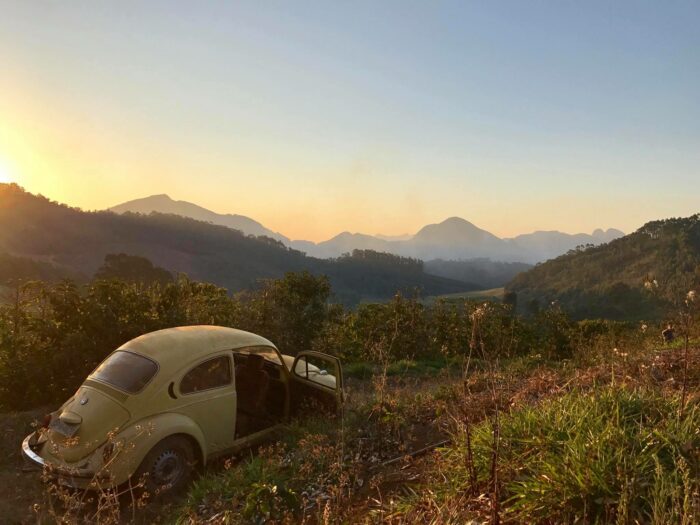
(20, 487)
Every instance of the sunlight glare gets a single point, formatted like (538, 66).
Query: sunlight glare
(5, 176)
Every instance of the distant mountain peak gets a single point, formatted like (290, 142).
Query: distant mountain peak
(607, 235)
(163, 203)
(453, 229)
(161, 197)
(456, 220)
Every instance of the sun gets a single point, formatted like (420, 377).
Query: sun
(5, 176)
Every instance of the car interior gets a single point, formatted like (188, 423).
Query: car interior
(260, 391)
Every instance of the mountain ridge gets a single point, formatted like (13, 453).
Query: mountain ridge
(454, 238)
(163, 203)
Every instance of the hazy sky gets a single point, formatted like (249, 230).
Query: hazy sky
(315, 118)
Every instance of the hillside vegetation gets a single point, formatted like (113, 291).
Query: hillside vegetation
(638, 276)
(538, 420)
(53, 334)
(13, 268)
(488, 273)
(77, 242)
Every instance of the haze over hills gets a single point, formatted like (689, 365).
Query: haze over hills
(637, 276)
(453, 239)
(75, 242)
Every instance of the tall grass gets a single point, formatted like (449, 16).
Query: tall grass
(606, 456)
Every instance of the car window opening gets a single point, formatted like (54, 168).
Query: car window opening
(213, 373)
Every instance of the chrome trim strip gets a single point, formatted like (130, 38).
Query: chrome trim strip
(59, 471)
(29, 453)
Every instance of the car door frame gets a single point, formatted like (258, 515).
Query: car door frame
(337, 393)
(260, 436)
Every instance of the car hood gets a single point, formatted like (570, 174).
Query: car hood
(83, 423)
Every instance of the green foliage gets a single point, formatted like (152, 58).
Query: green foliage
(267, 501)
(634, 277)
(53, 335)
(257, 489)
(282, 482)
(289, 311)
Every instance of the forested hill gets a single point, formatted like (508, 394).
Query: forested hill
(77, 241)
(638, 276)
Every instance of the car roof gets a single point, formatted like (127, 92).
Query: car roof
(173, 348)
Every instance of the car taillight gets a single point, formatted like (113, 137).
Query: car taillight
(107, 452)
(46, 421)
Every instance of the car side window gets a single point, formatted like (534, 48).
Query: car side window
(210, 374)
(314, 369)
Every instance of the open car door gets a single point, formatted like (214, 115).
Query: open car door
(317, 382)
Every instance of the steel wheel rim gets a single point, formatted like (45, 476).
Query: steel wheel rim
(168, 468)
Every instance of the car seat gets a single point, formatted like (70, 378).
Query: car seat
(252, 384)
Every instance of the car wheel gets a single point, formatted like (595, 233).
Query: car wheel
(167, 468)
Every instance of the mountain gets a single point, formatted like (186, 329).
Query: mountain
(451, 239)
(454, 230)
(346, 242)
(543, 245)
(77, 242)
(638, 276)
(454, 238)
(458, 239)
(402, 237)
(164, 204)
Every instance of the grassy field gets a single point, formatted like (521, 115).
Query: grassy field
(597, 438)
(595, 442)
(490, 294)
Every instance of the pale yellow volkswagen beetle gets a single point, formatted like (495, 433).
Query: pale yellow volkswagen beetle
(167, 401)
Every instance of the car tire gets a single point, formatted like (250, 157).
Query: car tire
(167, 468)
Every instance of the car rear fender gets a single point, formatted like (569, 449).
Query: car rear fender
(132, 445)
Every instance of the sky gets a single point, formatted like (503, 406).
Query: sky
(376, 117)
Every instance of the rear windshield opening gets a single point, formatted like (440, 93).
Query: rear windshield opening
(126, 371)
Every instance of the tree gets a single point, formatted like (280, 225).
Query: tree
(132, 268)
(290, 311)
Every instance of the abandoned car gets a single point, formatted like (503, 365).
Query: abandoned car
(169, 400)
